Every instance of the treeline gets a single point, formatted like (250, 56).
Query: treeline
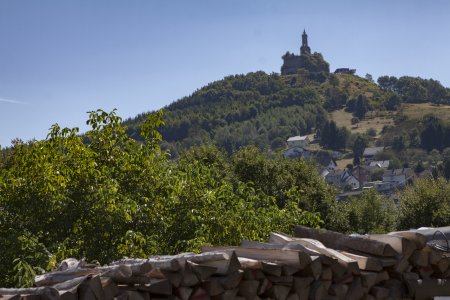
(105, 195)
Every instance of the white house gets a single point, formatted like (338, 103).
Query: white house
(384, 164)
(398, 177)
(298, 141)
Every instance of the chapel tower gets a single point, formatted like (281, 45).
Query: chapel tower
(304, 49)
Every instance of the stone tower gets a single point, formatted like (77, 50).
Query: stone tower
(304, 49)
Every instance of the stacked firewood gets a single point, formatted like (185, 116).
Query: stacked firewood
(315, 264)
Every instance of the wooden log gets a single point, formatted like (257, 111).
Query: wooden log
(232, 280)
(274, 269)
(288, 270)
(313, 269)
(442, 265)
(402, 265)
(71, 264)
(225, 266)
(135, 279)
(168, 263)
(366, 263)
(248, 263)
(10, 297)
(95, 285)
(396, 288)
(174, 278)
(379, 292)
(116, 272)
(264, 286)
(339, 290)
(282, 280)
(348, 263)
(402, 245)
(355, 290)
(227, 295)
(382, 276)
(318, 290)
(340, 241)
(199, 294)
(203, 272)
(122, 296)
(213, 286)
(417, 238)
(411, 281)
(279, 292)
(292, 257)
(70, 285)
(293, 296)
(109, 287)
(368, 279)
(250, 274)
(248, 288)
(46, 293)
(327, 274)
(303, 252)
(419, 258)
(184, 292)
(62, 276)
(157, 287)
(69, 295)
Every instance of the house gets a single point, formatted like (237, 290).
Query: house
(362, 174)
(341, 179)
(298, 141)
(325, 160)
(384, 164)
(370, 152)
(295, 152)
(398, 177)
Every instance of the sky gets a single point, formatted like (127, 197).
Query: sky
(61, 59)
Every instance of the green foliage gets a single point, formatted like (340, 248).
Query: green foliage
(426, 203)
(367, 213)
(105, 195)
(333, 137)
(359, 145)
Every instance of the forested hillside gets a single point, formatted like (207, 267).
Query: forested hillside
(265, 109)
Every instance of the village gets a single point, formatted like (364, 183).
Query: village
(353, 180)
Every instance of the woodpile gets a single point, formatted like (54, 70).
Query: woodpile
(315, 264)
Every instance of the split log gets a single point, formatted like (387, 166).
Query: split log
(91, 287)
(230, 265)
(168, 263)
(109, 287)
(282, 280)
(232, 280)
(275, 269)
(419, 258)
(199, 294)
(379, 292)
(366, 263)
(340, 241)
(339, 290)
(250, 274)
(348, 263)
(213, 286)
(417, 238)
(62, 276)
(46, 293)
(318, 290)
(279, 292)
(313, 269)
(157, 287)
(295, 258)
(303, 252)
(368, 279)
(248, 288)
(203, 272)
(400, 244)
(355, 290)
(184, 292)
(264, 286)
(227, 295)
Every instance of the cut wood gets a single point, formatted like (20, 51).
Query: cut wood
(366, 263)
(419, 258)
(227, 295)
(232, 280)
(400, 244)
(184, 292)
(339, 290)
(231, 264)
(199, 294)
(279, 292)
(313, 269)
(248, 288)
(368, 279)
(417, 238)
(292, 257)
(203, 272)
(46, 293)
(213, 286)
(340, 241)
(157, 286)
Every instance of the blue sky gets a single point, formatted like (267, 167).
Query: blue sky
(60, 59)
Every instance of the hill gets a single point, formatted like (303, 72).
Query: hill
(258, 109)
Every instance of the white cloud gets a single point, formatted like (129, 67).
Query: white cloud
(12, 101)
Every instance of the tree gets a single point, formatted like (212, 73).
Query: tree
(426, 203)
(358, 149)
(361, 107)
(431, 136)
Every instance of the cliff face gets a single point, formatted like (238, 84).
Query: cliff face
(311, 62)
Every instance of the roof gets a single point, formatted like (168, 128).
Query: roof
(324, 159)
(380, 163)
(297, 138)
(369, 151)
(396, 172)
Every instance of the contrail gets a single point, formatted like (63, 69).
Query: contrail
(12, 101)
